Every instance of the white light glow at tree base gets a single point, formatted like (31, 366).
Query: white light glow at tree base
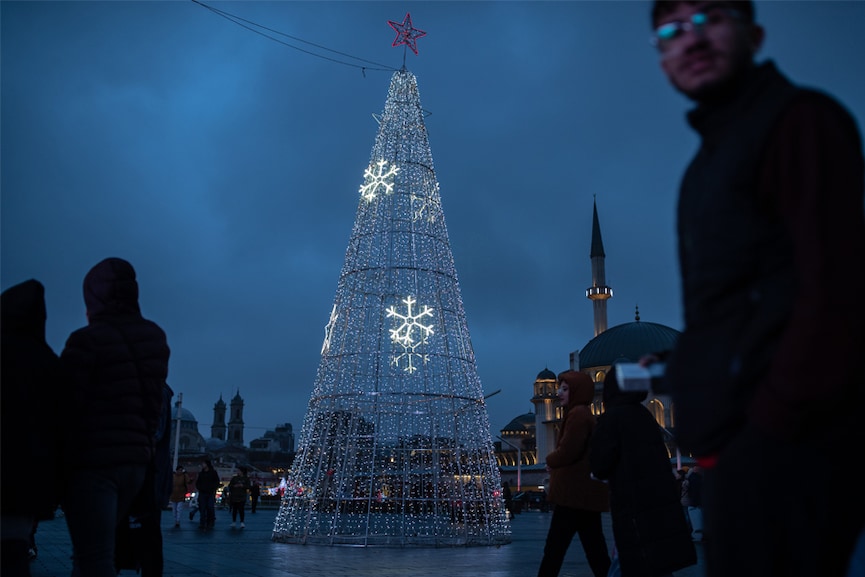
(395, 448)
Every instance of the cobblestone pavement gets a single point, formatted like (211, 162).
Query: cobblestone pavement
(226, 552)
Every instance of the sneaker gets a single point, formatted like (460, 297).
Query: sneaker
(232, 525)
(31, 553)
(243, 525)
(176, 525)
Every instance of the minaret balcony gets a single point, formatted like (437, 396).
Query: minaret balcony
(599, 293)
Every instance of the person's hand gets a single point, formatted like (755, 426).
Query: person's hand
(649, 359)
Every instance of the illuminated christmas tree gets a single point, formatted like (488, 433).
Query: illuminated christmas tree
(395, 447)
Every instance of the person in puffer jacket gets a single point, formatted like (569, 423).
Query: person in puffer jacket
(117, 366)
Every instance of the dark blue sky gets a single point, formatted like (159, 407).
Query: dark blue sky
(225, 166)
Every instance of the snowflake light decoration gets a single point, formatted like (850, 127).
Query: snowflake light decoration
(410, 332)
(426, 208)
(375, 177)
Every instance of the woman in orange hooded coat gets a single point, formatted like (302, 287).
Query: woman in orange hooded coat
(579, 500)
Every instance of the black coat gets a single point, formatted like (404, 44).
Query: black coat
(164, 474)
(649, 526)
(30, 378)
(207, 482)
(117, 367)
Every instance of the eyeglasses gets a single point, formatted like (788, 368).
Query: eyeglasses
(711, 15)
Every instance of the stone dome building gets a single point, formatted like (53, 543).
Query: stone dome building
(520, 434)
(627, 342)
(275, 448)
(191, 441)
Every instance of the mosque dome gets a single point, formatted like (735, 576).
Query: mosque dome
(186, 416)
(545, 375)
(629, 340)
(214, 444)
(522, 423)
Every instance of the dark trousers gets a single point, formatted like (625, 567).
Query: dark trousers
(238, 509)
(566, 523)
(153, 561)
(206, 510)
(97, 501)
(772, 507)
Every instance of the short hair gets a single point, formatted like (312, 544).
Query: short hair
(661, 8)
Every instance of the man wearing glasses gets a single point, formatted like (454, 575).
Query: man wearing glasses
(768, 376)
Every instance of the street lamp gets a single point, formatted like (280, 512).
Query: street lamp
(519, 462)
(179, 416)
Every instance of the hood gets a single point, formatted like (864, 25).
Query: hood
(582, 389)
(22, 310)
(613, 396)
(110, 288)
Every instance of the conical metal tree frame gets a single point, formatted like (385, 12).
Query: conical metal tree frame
(395, 448)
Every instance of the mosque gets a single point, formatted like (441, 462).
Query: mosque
(528, 438)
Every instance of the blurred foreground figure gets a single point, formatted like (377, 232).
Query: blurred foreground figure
(768, 376)
(117, 367)
(30, 379)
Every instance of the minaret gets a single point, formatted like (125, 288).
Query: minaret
(217, 429)
(599, 292)
(235, 423)
(546, 402)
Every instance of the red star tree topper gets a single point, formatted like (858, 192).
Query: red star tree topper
(406, 33)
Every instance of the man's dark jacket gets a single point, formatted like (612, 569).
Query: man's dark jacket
(207, 482)
(771, 267)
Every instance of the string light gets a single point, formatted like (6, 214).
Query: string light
(395, 448)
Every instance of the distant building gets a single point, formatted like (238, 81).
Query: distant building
(191, 441)
(273, 450)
